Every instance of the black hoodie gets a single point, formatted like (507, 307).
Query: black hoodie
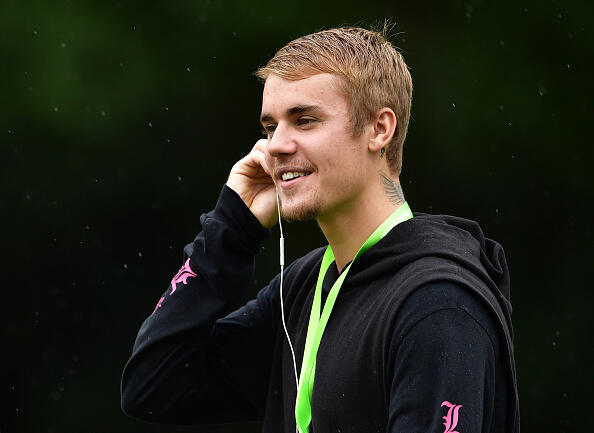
(420, 337)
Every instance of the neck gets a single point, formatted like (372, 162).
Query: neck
(347, 229)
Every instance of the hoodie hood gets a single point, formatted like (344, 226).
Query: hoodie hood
(457, 244)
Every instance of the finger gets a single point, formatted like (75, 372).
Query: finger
(260, 157)
(261, 144)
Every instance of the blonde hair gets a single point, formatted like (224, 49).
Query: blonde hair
(373, 75)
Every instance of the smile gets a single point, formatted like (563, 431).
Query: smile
(293, 175)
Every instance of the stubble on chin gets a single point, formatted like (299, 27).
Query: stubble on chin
(301, 212)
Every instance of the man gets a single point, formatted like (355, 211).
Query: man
(402, 324)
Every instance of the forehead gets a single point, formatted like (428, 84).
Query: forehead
(322, 90)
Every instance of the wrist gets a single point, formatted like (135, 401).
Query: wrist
(232, 208)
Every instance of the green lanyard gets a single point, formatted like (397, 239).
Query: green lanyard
(317, 323)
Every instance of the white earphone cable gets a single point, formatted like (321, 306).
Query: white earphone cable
(282, 266)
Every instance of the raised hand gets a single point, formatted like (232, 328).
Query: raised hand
(250, 178)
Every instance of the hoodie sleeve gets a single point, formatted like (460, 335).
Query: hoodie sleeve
(189, 363)
(444, 364)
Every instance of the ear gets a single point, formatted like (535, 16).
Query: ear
(382, 129)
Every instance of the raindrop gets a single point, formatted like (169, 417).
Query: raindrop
(525, 9)
(27, 196)
(502, 43)
(63, 45)
(497, 210)
(568, 66)
(35, 32)
(103, 113)
(453, 105)
(166, 108)
(501, 108)
(133, 27)
(542, 91)
(513, 156)
(168, 140)
(554, 344)
(179, 178)
(125, 266)
(139, 254)
(121, 64)
(87, 228)
(150, 124)
(56, 109)
(10, 131)
(26, 72)
(509, 123)
(188, 69)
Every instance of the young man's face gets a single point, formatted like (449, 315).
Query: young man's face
(309, 134)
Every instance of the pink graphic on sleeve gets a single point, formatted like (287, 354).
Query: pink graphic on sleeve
(182, 276)
(158, 304)
(451, 419)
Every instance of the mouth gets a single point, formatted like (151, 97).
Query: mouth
(291, 178)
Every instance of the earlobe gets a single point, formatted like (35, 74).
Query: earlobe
(384, 127)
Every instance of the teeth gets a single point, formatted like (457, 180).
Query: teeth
(293, 175)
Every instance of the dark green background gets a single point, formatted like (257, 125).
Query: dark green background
(119, 122)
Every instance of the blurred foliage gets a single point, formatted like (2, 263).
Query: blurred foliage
(119, 122)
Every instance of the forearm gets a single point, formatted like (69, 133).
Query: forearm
(170, 376)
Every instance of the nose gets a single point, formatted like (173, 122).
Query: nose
(282, 142)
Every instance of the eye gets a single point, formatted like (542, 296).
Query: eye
(268, 130)
(305, 121)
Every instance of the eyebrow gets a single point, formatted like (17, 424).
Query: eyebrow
(297, 109)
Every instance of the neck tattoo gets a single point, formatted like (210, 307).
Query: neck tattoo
(392, 189)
